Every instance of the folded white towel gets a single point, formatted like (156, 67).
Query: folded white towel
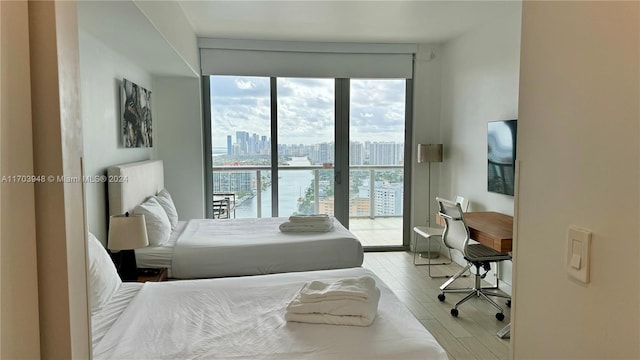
(360, 288)
(289, 226)
(337, 307)
(325, 221)
(330, 319)
(309, 218)
(347, 303)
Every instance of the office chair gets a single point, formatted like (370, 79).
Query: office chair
(434, 233)
(456, 236)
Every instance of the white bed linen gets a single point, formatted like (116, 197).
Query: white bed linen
(160, 256)
(104, 319)
(243, 318)
(216, 248)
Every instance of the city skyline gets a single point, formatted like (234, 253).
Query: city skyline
(370, 152)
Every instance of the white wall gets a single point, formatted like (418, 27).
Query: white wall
(180, 142)
(110, 51)
(170, 21)
(426, 129)
(479, 84)
(579, 165)
(101, 74)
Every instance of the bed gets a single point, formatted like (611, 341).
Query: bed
(241, 318)
(207, 248)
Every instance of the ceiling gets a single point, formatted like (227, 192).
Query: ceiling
(123, 27)
(343, 21)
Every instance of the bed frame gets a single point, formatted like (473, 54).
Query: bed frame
(131, 184)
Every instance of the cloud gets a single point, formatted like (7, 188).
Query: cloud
(306, 109)
(245, 84)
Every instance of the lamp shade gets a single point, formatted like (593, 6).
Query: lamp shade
(428, 153)
(127, 232)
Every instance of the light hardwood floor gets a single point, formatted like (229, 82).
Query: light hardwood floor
(472, 335)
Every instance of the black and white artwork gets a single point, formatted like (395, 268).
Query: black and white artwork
(136, 115)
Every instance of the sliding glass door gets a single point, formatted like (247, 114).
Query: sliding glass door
(306, 127)
(377, 120)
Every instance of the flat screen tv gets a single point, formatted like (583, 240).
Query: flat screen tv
(501, 156)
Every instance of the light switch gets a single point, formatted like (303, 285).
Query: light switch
(575, 261)
(578, 245)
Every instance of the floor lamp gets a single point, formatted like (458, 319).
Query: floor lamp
(429, 153)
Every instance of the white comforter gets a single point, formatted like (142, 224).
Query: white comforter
(216, 248)
(243, 318)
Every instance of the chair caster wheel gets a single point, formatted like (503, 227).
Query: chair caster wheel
(441, 297)
(454, 312)
(509, 303)
(500, 316)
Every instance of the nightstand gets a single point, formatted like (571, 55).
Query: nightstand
(154, 275)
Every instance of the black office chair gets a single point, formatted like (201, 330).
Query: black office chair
(456, 236)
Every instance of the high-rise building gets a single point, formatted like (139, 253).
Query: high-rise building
(322, 153)
(359, 206)
(254, 145)
(356, 153)
(389, 199)
(230, 182)
(384, 153)
(229, 145)
(242, 140)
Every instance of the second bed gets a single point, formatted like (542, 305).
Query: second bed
(205, 248)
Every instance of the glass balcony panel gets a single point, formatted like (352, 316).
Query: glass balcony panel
(299, 184)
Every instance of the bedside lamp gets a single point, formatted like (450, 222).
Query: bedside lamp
(127, 232)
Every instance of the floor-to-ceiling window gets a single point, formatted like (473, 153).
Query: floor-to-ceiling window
(246, 151)
(241, 144)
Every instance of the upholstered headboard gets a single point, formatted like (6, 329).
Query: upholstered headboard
(131, 184)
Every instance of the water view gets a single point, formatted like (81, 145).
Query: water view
(293, 185)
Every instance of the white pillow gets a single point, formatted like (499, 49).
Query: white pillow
(164, 198)
(156, 220)
(104, 280)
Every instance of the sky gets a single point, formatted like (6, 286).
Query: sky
(305, 109)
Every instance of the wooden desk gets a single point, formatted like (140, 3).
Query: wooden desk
(489, 228)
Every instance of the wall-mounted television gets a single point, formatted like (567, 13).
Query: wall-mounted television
(501, 156)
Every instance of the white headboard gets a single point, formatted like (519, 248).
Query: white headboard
(131, 184)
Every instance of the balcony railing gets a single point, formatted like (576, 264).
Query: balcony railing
(316, 170)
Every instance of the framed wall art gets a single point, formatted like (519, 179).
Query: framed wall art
(136, 115)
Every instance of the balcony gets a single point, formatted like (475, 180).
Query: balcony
(375, 197)
(380, 231)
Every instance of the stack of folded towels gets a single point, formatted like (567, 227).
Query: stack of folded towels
(350, 301)
(308, 223)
